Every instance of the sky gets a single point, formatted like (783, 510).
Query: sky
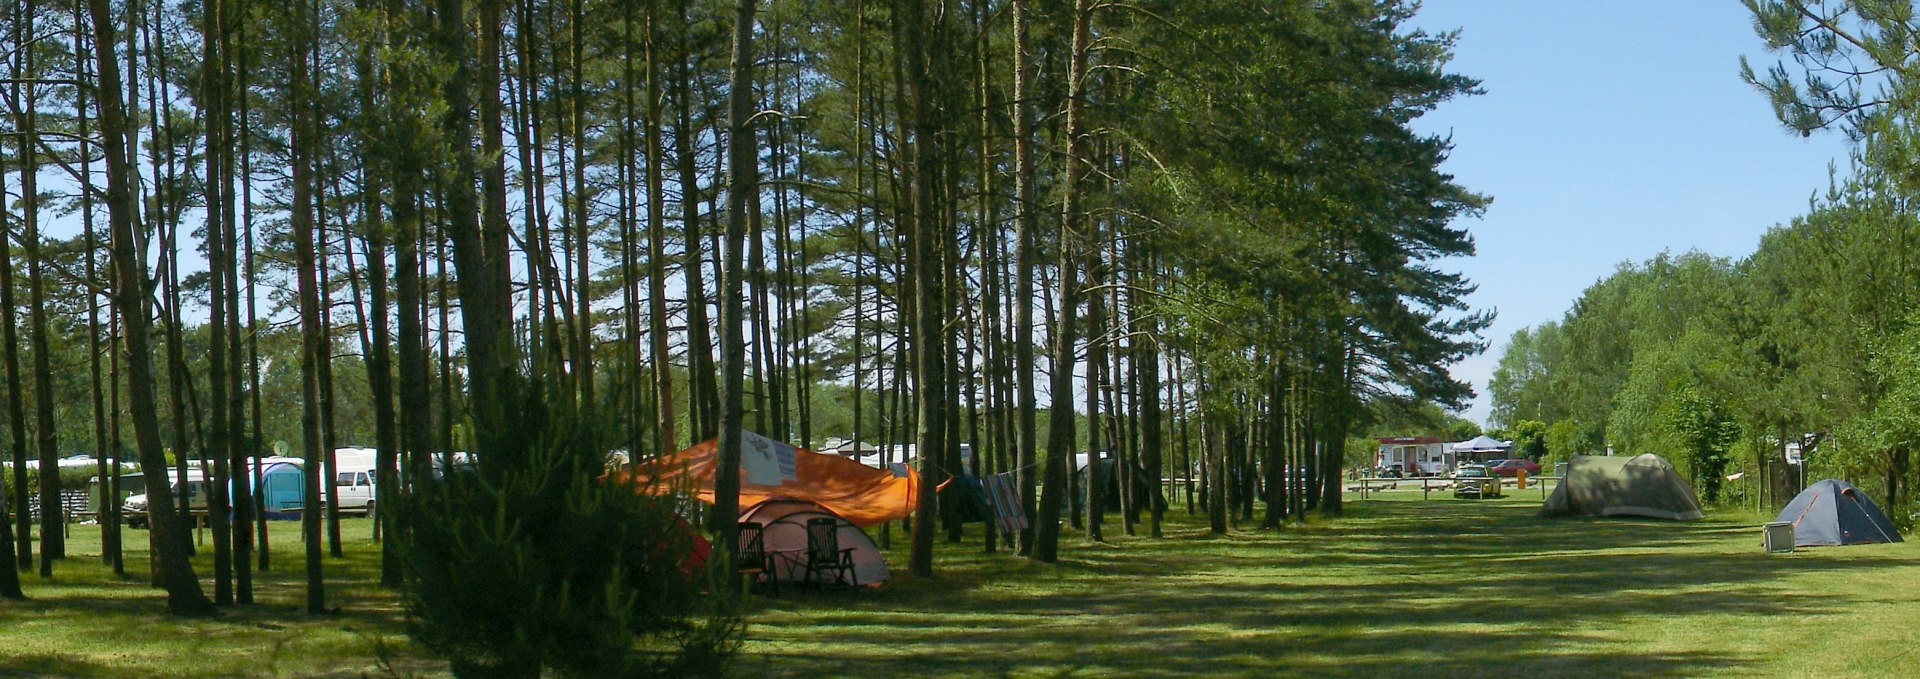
(1609, 132)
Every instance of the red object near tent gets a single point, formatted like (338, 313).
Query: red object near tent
(862, 495)
(698, 552)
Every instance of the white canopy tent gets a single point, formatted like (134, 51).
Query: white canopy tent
(1481, 444)
(1480, 449)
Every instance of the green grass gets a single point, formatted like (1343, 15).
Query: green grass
(85, 622)
(1400, 586)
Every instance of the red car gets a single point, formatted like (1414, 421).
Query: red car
(1512, 467)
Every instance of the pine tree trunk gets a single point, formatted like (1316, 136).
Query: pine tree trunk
(1098, 451)
(16, 395)
(52, 514)
(323, 357)
(479, 249)
(184, 596)
(405, 168)
(924, 39)
(108, 510)
(1025, 438)
(742, 151)
(214, 115)
(10, 577)
(582, 213)
(1060, 442)
(312, 335)
(379, 350)
(702, 377)
(253, 316)
(661, 359)
(1146, 361)
(1272, 452)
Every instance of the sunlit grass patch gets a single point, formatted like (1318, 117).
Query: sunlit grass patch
(1398, 586)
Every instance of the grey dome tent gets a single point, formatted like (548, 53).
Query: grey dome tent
(1642, 485)
(1833, 512)
(784, 522)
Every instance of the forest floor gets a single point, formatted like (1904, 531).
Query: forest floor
(1399, 586)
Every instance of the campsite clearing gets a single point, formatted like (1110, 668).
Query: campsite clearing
(1400, 586)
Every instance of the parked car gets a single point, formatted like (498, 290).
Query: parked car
(1475, 481)
(133, 510)
(1512, 467)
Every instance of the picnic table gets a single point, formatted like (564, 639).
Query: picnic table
(1428, 484)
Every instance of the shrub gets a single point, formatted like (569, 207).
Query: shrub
(71, 478)
(515, 568)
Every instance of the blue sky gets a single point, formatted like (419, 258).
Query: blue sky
(1610, 131)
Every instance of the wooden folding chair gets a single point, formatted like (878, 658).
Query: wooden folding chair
(752, 559)
(824, 554)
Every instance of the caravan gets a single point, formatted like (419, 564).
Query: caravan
(134, 508)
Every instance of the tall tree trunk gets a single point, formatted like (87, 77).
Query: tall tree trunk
(312, 334)
(253, 300)
(214, 115)
(323, 359)
(166, 216)
(52, 514)
(924, 33)
(1073, 217)
(406, 168)
(742, 154)
(109, 497)
(184, 595)
(479, 237)
(702, 388)
(661, 359)
(984, 337)
(1024, 263)
(861, 136)
(1329, 469)
(10, 577)
(1146, 360)
(380, 350)
(1097, 454)
(244, 499)
(16, 395)
(582, 212)
(1272, 460)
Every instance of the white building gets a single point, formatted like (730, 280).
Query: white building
(1415, 455)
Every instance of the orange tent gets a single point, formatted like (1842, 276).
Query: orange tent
(863, 495)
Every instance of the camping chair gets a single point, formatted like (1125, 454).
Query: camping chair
(753, 558)
(824, 553)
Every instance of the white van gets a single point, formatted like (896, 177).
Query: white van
(355, 490)
(353, 478)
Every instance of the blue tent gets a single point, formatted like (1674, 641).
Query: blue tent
(1834, 512)
(282, 489)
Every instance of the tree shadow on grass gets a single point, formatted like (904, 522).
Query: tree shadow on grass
(48, 665)
(1417, 588)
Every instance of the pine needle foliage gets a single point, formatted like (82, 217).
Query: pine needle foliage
(516, 569)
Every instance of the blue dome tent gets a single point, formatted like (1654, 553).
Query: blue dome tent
(1834, 512)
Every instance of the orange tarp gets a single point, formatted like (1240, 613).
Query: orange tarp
(863, 495)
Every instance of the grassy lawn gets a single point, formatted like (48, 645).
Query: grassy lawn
(87, 623)
(1399, 586)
